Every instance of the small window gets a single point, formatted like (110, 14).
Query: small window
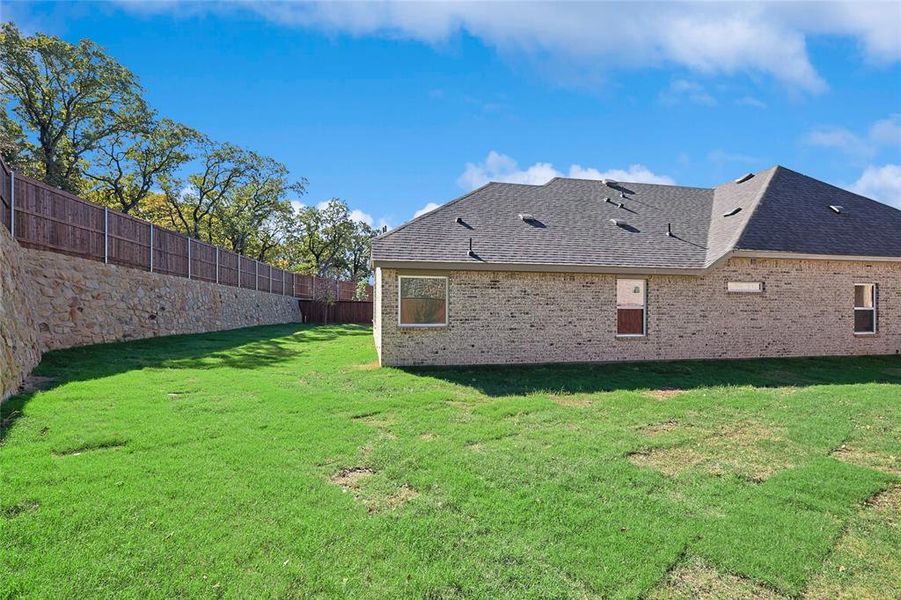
(865, 308)
(631, 298)
(423, 301)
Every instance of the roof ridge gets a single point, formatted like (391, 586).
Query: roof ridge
(755, 203)
(618, 181)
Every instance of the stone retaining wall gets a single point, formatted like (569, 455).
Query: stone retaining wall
(51, 301)
(19, 348)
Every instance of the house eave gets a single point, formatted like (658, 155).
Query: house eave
(780, 255)
(436, 265)
(429, 265)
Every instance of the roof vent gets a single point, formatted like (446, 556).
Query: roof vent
(608, 182)
(608, 200)
(732, 212)
(459, 220)
(526, 217)
(744, 178)
(669, 230)
(618, 222)
(836, 209)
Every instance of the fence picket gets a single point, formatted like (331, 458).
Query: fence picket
(46, 218)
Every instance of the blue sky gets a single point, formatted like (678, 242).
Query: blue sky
(396, 107)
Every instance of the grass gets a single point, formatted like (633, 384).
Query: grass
(278, 462)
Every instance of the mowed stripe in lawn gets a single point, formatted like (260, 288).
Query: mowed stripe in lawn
(277, 461)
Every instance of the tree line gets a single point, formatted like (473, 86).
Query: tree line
(74, 117)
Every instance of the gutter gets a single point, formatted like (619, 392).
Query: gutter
(429, 265)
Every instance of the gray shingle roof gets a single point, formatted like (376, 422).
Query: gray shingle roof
(780, 211)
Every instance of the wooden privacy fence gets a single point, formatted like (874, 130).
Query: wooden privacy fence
(45, 218)
(315, 311)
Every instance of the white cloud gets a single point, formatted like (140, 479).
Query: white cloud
(500, 167)
(706, 38)
(683, 89)
(750, 101)
(880, 183)
(356, 214)
(361, 217)
(883, 133)
(887, 131)
(839, 138)
(426, 209)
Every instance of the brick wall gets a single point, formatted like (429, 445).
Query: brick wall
(506, 317)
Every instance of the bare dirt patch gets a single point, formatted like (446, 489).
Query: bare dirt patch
(367, 366)
(379, 420)
(373, 489)
(695, 579)
(658, 428)
(872, 459)
(747, 448)
(866, 561)
(888, 502)
(19, 508)
(571, 400)
(664, 394)
(427, 437)
(350, 479)
(404, 495)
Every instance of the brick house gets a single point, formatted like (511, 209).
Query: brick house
(773, 264)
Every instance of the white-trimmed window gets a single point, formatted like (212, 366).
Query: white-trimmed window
(631, 307)
(865, 308)
(422, 301)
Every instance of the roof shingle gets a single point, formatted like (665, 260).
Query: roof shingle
(780, 210)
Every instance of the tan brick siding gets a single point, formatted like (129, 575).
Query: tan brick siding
(516, 317)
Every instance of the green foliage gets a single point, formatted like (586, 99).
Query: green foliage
(318, 238)
(279, 462)
(72, 116)
(129, 163)
(67, 101)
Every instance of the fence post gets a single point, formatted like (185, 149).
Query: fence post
(256, 275)
(189, 257)
(239, 269)
(270, 279)
(12, 203)
(151, 247)
(217, 264)
(106, 235)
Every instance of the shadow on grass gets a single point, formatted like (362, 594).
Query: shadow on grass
(680, 375)
(249, 348)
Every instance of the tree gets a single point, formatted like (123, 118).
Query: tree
(130, 162)
(192, 200)
(356, 259)
(320, 237)
(254, 216)
(66, 99)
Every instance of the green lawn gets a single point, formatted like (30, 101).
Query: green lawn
(280, 462)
